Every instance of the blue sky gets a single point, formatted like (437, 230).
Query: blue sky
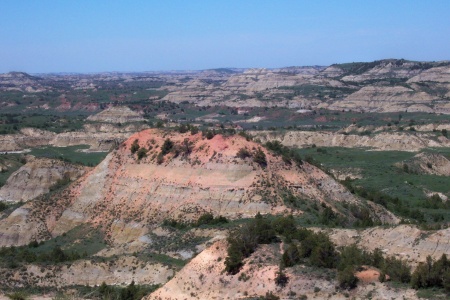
(95, 36)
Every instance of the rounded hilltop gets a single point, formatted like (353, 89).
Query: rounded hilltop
(158, 175)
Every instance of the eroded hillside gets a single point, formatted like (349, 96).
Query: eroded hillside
(182, 176)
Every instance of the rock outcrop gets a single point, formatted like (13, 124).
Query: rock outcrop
(380, 86)
(390, 85)
(196, 176)
(98, 136)
(400, 141)
(204, 278)
(404, 241)
(117, 114)
(428, 163)
(37, 177)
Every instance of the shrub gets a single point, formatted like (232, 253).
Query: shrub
(347, 279)
(243, 242)
(291, 256)
(209, 134)
(186, 147)
(167, 146)
(319, 248)
(269, 296)
(3, 206)
(285, 226)
(142, 152)
(260, 158)
(17, 296)
(183, 128)
(194, 130)
(281, 278)
(397, 270)
(286, 154)
(208, 219)
(263, 230)
(160, 158)
(431, 273)
(135, 146)
(352, 256)
(243, 153)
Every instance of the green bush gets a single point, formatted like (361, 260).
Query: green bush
(209, 134)
(17, 296)
(269, 296)
(3, 206)
(243, 242)
(431, 273)
(281, 278)
(194, 130)
(260, 157)
(209, 219)
(286, 226)
(347, 279)
(286, 153)
(167, 146)
(160, 158)
(142, 152)
(131, 292)
(186, 147)
(134, 146)
(397, 269)
(243, 153)
(291, 256)
(319, 249)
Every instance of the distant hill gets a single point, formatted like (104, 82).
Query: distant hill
(389, 85)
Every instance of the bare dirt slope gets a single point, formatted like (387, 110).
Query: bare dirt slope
(36, 178)
(204, 278)
(117, 114)
(428, 163)
(381, 86)
(99, 136)
(404, 241)
(401, 141)
(127, 196)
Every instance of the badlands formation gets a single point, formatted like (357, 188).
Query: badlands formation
(380, 86)
(101, 135)
(117, 114)
(128, 198)
(135, 201)
(390, 85)
(389, 141)
(197, 176)
(37, 177)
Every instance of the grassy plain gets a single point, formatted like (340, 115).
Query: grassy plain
(379, 174)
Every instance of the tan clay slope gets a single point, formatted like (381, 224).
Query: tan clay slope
(99, 136)
(385, 99)
(428, 163)
(36, 177)
(117, 114)
(115, 271)
(400, 141)
(404, 241)
(128, 196)
(204, 278)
